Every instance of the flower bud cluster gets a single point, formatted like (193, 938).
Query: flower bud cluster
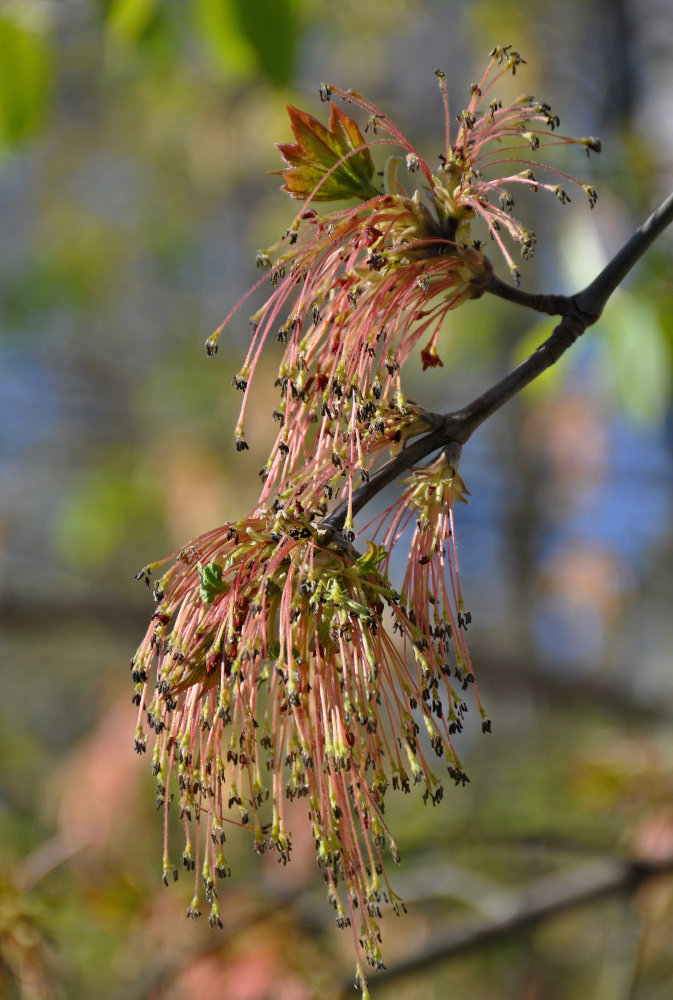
(281, 663)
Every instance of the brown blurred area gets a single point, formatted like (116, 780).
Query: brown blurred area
(137, 136)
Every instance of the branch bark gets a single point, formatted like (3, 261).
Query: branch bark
(578, 312)
(552, 305)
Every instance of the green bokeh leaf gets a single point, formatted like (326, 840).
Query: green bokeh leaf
(111, 507)
(218, 24)
(131, 19)
(546, 383)
(637, 356)
(245, 37)
(25, 78)
(272, 27)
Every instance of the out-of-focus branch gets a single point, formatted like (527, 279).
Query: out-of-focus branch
(578, 312)
(543, 898)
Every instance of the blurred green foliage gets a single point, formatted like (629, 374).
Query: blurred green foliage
(241, 38)
(639, 356)
(136, 137)
(133, 20)
(112, 508)
(26, 75)
(247, 38)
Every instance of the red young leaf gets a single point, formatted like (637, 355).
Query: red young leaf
(318, 150)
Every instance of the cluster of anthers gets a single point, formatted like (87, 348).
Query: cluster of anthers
(280, 661)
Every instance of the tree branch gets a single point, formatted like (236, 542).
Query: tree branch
(404, 460)
(583, 310)
(543, 898)
(572, 326)
(579, 311)
(553, 305)
(595, 295)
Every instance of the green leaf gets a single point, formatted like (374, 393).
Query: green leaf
(369, 562)
(638, 356)
(272, 27)
(218, 24)
(131, 19)
(247, 38)
(212, 584)
(318, 149)
(25, 78)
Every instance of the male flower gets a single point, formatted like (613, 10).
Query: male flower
(270, 671)
(281, 663)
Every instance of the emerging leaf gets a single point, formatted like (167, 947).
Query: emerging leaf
(319, 150)
(212, 584)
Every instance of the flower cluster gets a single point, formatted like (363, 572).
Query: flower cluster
(356, 289)
(280, 662)
(285, 679)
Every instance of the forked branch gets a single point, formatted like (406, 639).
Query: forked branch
(578, 312)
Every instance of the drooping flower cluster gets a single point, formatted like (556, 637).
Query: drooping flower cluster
(285, 679)
(280, 661)
(432, 583)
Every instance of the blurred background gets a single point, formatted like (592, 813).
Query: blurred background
(135, 141)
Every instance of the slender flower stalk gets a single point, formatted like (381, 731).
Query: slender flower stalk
(432, 580)
(281, 662)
